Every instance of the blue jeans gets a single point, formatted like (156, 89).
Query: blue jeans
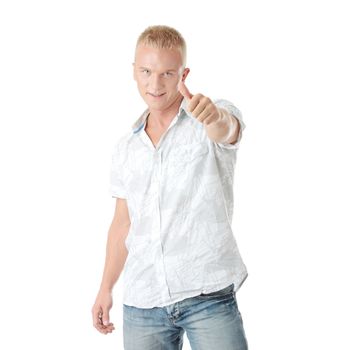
(211, 321)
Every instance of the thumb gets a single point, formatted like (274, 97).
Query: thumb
(105, 317)
(184, 90)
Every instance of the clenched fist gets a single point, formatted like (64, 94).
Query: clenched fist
(200, 106)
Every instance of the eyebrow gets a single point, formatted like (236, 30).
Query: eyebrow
(167, 70)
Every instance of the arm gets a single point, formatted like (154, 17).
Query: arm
(224, 129)
(221, 126)
(116, 252)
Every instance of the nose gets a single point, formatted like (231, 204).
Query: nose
(155, 84)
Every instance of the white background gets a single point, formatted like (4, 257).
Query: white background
(66, 95)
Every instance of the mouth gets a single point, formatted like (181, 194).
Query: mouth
(156, 96)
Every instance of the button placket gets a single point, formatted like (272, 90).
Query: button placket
(158, 173)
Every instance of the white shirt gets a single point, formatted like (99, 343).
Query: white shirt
(180, 201)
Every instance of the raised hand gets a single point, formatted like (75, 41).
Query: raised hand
(200, 106)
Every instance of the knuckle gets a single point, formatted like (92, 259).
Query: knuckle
(206, 99)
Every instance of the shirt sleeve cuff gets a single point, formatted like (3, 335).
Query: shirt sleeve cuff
(233, 110)
(117, 192)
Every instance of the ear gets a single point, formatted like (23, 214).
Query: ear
(185, 74)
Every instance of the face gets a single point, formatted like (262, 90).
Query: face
(157, 73)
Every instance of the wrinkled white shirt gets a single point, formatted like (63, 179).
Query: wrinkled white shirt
(180, 201)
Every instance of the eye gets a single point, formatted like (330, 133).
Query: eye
(168, 74)
(145, 70)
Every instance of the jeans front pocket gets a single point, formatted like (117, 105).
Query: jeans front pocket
(222, 293)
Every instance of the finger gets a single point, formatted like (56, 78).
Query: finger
(96, 315)
(105, 317)
(100, 327)
(104, 329)
(199, 109)
(98, 324)
(107, 329)
(184, 90)
(205, 115)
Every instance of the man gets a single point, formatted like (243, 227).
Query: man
(172, 177)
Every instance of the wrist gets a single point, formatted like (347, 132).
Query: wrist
(105, 289)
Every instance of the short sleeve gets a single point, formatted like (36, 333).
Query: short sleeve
(117, 188)
(231, 108)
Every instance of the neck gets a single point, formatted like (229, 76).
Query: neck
(160, 119)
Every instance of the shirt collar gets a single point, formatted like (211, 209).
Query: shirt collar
(139, 124)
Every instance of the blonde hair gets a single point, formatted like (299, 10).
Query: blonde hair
(163, 37)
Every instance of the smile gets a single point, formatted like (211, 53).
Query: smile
(156, 96)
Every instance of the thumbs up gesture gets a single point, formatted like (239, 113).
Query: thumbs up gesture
(200, 106)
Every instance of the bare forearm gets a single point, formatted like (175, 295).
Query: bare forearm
(225, 129)
(116, 254)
